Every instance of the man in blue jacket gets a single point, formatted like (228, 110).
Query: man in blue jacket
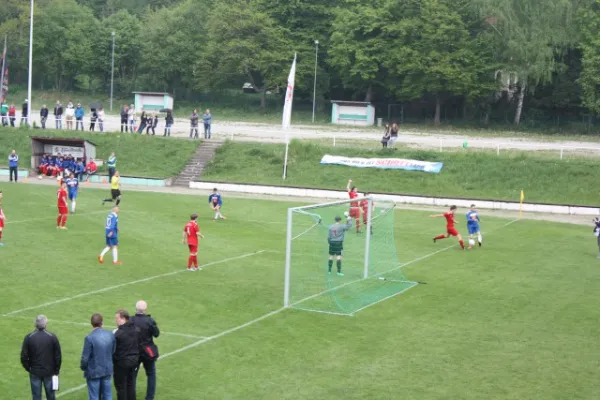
(97, 360)
(79, 117)
(13, 165)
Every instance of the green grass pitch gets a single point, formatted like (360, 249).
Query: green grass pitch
(516, 319)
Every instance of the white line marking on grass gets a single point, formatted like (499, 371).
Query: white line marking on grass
(386, 298)
(192, 345)
(87, 324)
(77, 296)
(24, 221)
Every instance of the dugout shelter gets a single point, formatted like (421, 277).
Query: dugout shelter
(352, 113)
(78, 148)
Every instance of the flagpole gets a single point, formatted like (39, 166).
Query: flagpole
(30, 65)
(3, 68)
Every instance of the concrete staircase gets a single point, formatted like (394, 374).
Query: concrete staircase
(195, 166)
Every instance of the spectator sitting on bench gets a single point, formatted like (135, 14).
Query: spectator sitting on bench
(43, 168)
(90, 169)
(51, 166)
(79, 169)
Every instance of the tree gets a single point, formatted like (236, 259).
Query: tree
(533, 36)
(589, 22)
(359, 46)
(434, 53)
(247, 43)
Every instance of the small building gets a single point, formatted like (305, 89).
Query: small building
(78, 148)
(352, 113)
(152, 101)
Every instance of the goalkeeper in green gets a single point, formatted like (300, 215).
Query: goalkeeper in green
(335, 238)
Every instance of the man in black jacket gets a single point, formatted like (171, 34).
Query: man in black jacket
(58, 112)
(126, 357)
(41, 357)
(147, 331)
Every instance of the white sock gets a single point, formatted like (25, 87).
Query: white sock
(220, 215)
(479, 238)
(115, 254)
(106, 249)
(216, 215)
(73, 206)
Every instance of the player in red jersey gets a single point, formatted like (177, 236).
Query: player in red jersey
(191, 232)
(354, 206)
(2, 219)
(450, 229)
(364, 205)
(63, 207)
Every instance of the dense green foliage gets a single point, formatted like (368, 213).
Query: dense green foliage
(485, 61)
(138, 155)
(467, 174)
(516, 319)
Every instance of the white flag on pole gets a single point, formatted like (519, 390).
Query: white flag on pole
(289, 97)
(287, 112)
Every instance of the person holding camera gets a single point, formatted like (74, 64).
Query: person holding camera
(147, 331)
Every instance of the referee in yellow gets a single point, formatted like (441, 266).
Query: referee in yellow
(115, 189)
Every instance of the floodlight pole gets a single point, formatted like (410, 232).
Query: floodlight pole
(315, 83)
(112, 70)
(30, 63)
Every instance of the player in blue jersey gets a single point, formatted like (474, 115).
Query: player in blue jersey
(216, 202)
(473, 226)
(111, 230)
(73, 189)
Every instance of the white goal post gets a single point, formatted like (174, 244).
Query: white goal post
(306, 210)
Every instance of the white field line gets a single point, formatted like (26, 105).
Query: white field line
(416, 260)
(80, 295)
(385, 298)
(192, 345)
(24, 221)
(87, 324)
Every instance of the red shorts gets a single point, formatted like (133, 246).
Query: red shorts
(452, 231)
(1, 223)
(354, 212)
(63, 210)
(193, 248)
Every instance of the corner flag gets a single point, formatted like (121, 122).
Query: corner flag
(521, 203)
(287, 112)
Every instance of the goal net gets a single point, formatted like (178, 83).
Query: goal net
(369, 270)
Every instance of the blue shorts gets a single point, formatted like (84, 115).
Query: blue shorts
(112, 241)
(72, 195)
(473, 228)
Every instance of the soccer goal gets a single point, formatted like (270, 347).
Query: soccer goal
(370, 271)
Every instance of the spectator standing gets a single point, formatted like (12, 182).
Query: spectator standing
(79, 113)
(101, 119)
(24, 111)
(97, 360)
(44, 116)
(393, 134)
(41, 357)
(154, 124)
(127, 356)
(149, 122)
(143, 123)
(13, 165)
(147, 330)
(58, 112)
(79, 169)
(4, 113)
(207, 118)
(386, 136)
(124, 113)
(168, 123)
(93, 119)
(131, 116)
(69, 115)
(111, 164)
(12, 114)
(194, 125)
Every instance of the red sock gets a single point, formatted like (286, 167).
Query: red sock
(195, 261)
(58, 220)
(190, 261)
(64, 220)
(462, 244)
(438, 237)
(358, 225)
(0, 235)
